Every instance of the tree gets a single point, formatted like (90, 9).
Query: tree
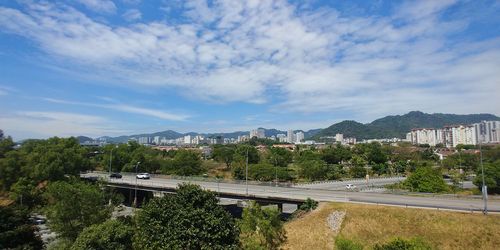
(190, 219)
(261, 228)
(6, 145)
(241, 154)
(336, 154)
(267, 172)
(426, 179)
(11, 168)
(224, 154)
(16, 231)
(26, 193)
(112, 234)
(280, 157)
(491, 177)
(72, 206)
(54, 158)
(313, 169)
(185, 162)
(375, 154)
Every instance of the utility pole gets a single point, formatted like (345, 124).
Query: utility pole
(484, 189)
(135, 191)
(110, 159)
(246, 173)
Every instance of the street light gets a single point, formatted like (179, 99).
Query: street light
(135, 191)
(246, 173)
(111, 158)
(484, 189)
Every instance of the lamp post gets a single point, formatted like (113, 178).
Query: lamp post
(111, 158)
(484, 189)
(246, 174)
(275, 171)
(135, 191)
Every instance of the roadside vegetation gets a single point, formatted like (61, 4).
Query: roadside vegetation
(382, 227)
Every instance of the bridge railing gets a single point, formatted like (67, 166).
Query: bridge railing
(208, 179)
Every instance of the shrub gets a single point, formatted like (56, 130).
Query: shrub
(345, 244)
(403, 244)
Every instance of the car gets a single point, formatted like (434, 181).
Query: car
(115, 175)
(350, 186)
(143, 176)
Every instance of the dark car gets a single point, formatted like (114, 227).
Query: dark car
(115, 175)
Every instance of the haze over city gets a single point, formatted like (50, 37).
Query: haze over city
(98, 68)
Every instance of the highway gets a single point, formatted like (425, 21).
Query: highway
(295, 193)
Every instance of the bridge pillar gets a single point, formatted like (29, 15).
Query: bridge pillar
(280, 207)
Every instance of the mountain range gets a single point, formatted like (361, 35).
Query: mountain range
(397, 126)
(386, 127)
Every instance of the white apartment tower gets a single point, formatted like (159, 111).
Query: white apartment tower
(487, 131)
(339, 138)
(290, 136)
(299, 137)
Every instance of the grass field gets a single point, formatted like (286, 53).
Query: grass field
(371, 224)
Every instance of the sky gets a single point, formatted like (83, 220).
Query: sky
(121, 67)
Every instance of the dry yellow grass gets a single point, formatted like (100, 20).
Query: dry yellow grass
(369, 224)
(310, 231)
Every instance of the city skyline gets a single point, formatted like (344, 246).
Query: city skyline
(129, 67)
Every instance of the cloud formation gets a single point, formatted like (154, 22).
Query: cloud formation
(35, 124)
(102, 6)
(127, 109)
(308, 61)
(132, 15)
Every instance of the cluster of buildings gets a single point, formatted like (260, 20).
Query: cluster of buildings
(339, 138)
(451, 136)
(184, 140)
(289, 137)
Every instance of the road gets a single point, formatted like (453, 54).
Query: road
(359, 183)
(441, 202)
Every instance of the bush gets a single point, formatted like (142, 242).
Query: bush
(403, 244)
(112, 234)
(345, 244)
(309, 205)
(426, 179)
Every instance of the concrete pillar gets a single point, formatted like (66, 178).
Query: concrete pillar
(280, 207)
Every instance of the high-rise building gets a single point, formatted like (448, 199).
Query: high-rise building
(423, 136)
(156, 140)
(290, 136)
(259, 133)
(187, 139)
(487, 131)
(339, 138)
(299, 137)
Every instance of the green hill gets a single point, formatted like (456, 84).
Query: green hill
(399, 125)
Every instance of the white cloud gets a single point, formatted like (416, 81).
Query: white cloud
(132, 15)
(127, 109)
(263, 51)
(35, 124)
(103, 6)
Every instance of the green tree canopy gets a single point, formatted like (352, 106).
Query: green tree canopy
(261, 228)
(112, 234)
(224, 153)
(426, 179)
(72, 206)
(491, 177)
(190, 219)
(16, 231)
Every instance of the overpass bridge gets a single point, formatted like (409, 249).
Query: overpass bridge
(271, 194)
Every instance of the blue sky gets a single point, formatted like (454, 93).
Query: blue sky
(89, 67)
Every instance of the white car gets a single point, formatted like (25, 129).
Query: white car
(350, 187)
(143, 176)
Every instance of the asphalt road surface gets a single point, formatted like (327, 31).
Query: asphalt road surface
(441, 202)
(359, 183)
